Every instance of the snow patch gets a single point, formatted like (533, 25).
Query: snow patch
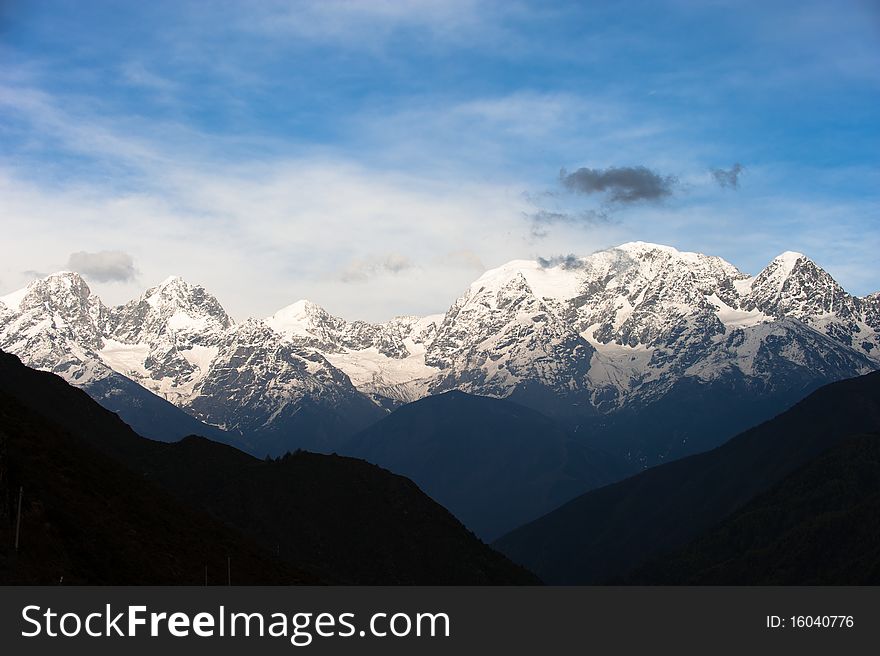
(125, 358)
(13, 299)
(733, 318)
(294, 319)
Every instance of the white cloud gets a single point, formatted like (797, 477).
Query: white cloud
(361, 270)
(267, 234)
(103, 266)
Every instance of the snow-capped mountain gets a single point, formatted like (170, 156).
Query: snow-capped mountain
(166, 339)
(508, 329)
(57, 324)
(277, 393)
(794, 286)
(637, 330)
(643, 330)
(173, 358)
(626, 324)
(385, 361)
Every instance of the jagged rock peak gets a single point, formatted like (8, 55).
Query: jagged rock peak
(63, 294)
(61, 284)
(793, 285)
(172, 306)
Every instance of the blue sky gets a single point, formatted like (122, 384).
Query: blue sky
(376, 156)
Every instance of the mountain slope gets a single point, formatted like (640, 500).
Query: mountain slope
(278, 395)
(87, 519)
(776, 365)
(818, 526)
(607, 532)
(492, 463)
(340, 519)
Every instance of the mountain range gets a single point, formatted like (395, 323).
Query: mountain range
(641, 351)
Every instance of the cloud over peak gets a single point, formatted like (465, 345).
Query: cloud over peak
(570, 261)
(103, 266)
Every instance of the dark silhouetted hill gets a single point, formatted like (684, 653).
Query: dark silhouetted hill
(87, 519)
(340, 519)
(818, 526)
(606, 533)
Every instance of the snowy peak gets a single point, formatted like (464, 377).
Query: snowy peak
(556, 279)
(793, 285)
(642, 247)
(780, 269)
(13, 299)
(56, 324)
(173, 308)
(501, 291)
(655, 259)
(306, 320)
(167, 338)
(62, 303)
(789, 258)
(646, 294)
(500, 333)
(57, 288)
(175, 294)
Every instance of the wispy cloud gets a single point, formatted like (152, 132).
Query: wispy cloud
(136, 74)
(103, 266)
(728, 178)
(358, 25)
(570, 261)
(361, 270)
(541, 219)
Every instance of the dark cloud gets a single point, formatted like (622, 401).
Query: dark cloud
(728, 178)
(362, 270)
(103, 266)
(618, 186)
(625, 184)
(570, 261)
